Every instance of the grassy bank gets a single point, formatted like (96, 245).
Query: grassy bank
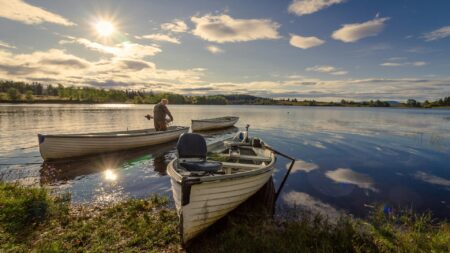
(32, 221)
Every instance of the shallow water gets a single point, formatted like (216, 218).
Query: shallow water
(348, 158)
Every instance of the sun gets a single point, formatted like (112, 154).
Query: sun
(104, 28)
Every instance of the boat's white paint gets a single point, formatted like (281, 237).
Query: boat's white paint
(211, 124)
(75, 145)
(217, 195)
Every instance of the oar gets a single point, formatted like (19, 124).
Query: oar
(280, 188)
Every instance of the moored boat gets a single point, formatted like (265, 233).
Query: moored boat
(214, 123)
(59, 146)
(210, 181)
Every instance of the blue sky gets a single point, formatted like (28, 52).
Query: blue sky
(308, 49)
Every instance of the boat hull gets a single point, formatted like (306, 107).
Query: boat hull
(65, 146)
(212, 124)
(212, 200)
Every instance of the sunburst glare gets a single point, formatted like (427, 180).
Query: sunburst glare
(104, 28)
(110, 175)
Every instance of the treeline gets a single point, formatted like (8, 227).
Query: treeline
(11, 91)
(427, 104)
(348, 103)
(443, 102)
(36, 92)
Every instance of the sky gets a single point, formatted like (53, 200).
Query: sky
(306, 49)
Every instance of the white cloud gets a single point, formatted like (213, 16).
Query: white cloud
(120, 71)
(303, 7)
(160, 37)
(419, 63)
(124, 49)
(58, 66)
(214, 49)
(339, 73)
(7, 45)
(438, 34)
(392, 64)
(327, 69)
(40, 64)
(402, 64)
(348, 176)
(223, 28)
(357, 31)
(305, 42)
(177, 26)
(23, 12)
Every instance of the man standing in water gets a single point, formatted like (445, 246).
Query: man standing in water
(160, 112)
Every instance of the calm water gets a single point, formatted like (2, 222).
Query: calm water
(348, 158)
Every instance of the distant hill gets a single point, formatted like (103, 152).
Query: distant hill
(393, 103)
(248, 99)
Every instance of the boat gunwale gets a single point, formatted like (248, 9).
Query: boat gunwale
(118, 134)
(218, 120)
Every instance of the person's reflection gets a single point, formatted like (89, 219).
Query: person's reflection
(160, 164)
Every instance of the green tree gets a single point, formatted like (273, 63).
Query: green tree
(138, 100)
(13, 94)
(412, 103)
(29, 95)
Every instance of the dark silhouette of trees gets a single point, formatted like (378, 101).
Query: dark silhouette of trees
(20, 91)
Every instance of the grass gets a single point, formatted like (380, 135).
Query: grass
(33, 221)
(309, 232)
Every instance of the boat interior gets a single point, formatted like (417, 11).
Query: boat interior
(195, 158)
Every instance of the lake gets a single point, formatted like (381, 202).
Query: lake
(348, 159)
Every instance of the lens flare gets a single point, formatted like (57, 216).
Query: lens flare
(104, 28)
(110, 175)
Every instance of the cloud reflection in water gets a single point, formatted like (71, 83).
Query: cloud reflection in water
(306, 201)
(348, 176)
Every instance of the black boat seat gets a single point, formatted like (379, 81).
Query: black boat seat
(206, 166)
(191, 145)
(192, 150)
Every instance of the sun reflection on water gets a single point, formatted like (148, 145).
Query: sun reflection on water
(110, 175)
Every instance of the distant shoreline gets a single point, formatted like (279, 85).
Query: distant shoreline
(37, 93)
(400, 106)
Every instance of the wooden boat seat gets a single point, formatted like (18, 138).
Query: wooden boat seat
(248, 157)
(206, 166)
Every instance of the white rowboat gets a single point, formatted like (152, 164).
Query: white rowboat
(215, 123)
(58, 146)
(204, 196)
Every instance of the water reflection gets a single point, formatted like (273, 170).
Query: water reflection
(305, 201)
(62, 171)
(301, 165)
(432, 179)
(348, 176)
(110, 175)
(114, 176)
(401, 156)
